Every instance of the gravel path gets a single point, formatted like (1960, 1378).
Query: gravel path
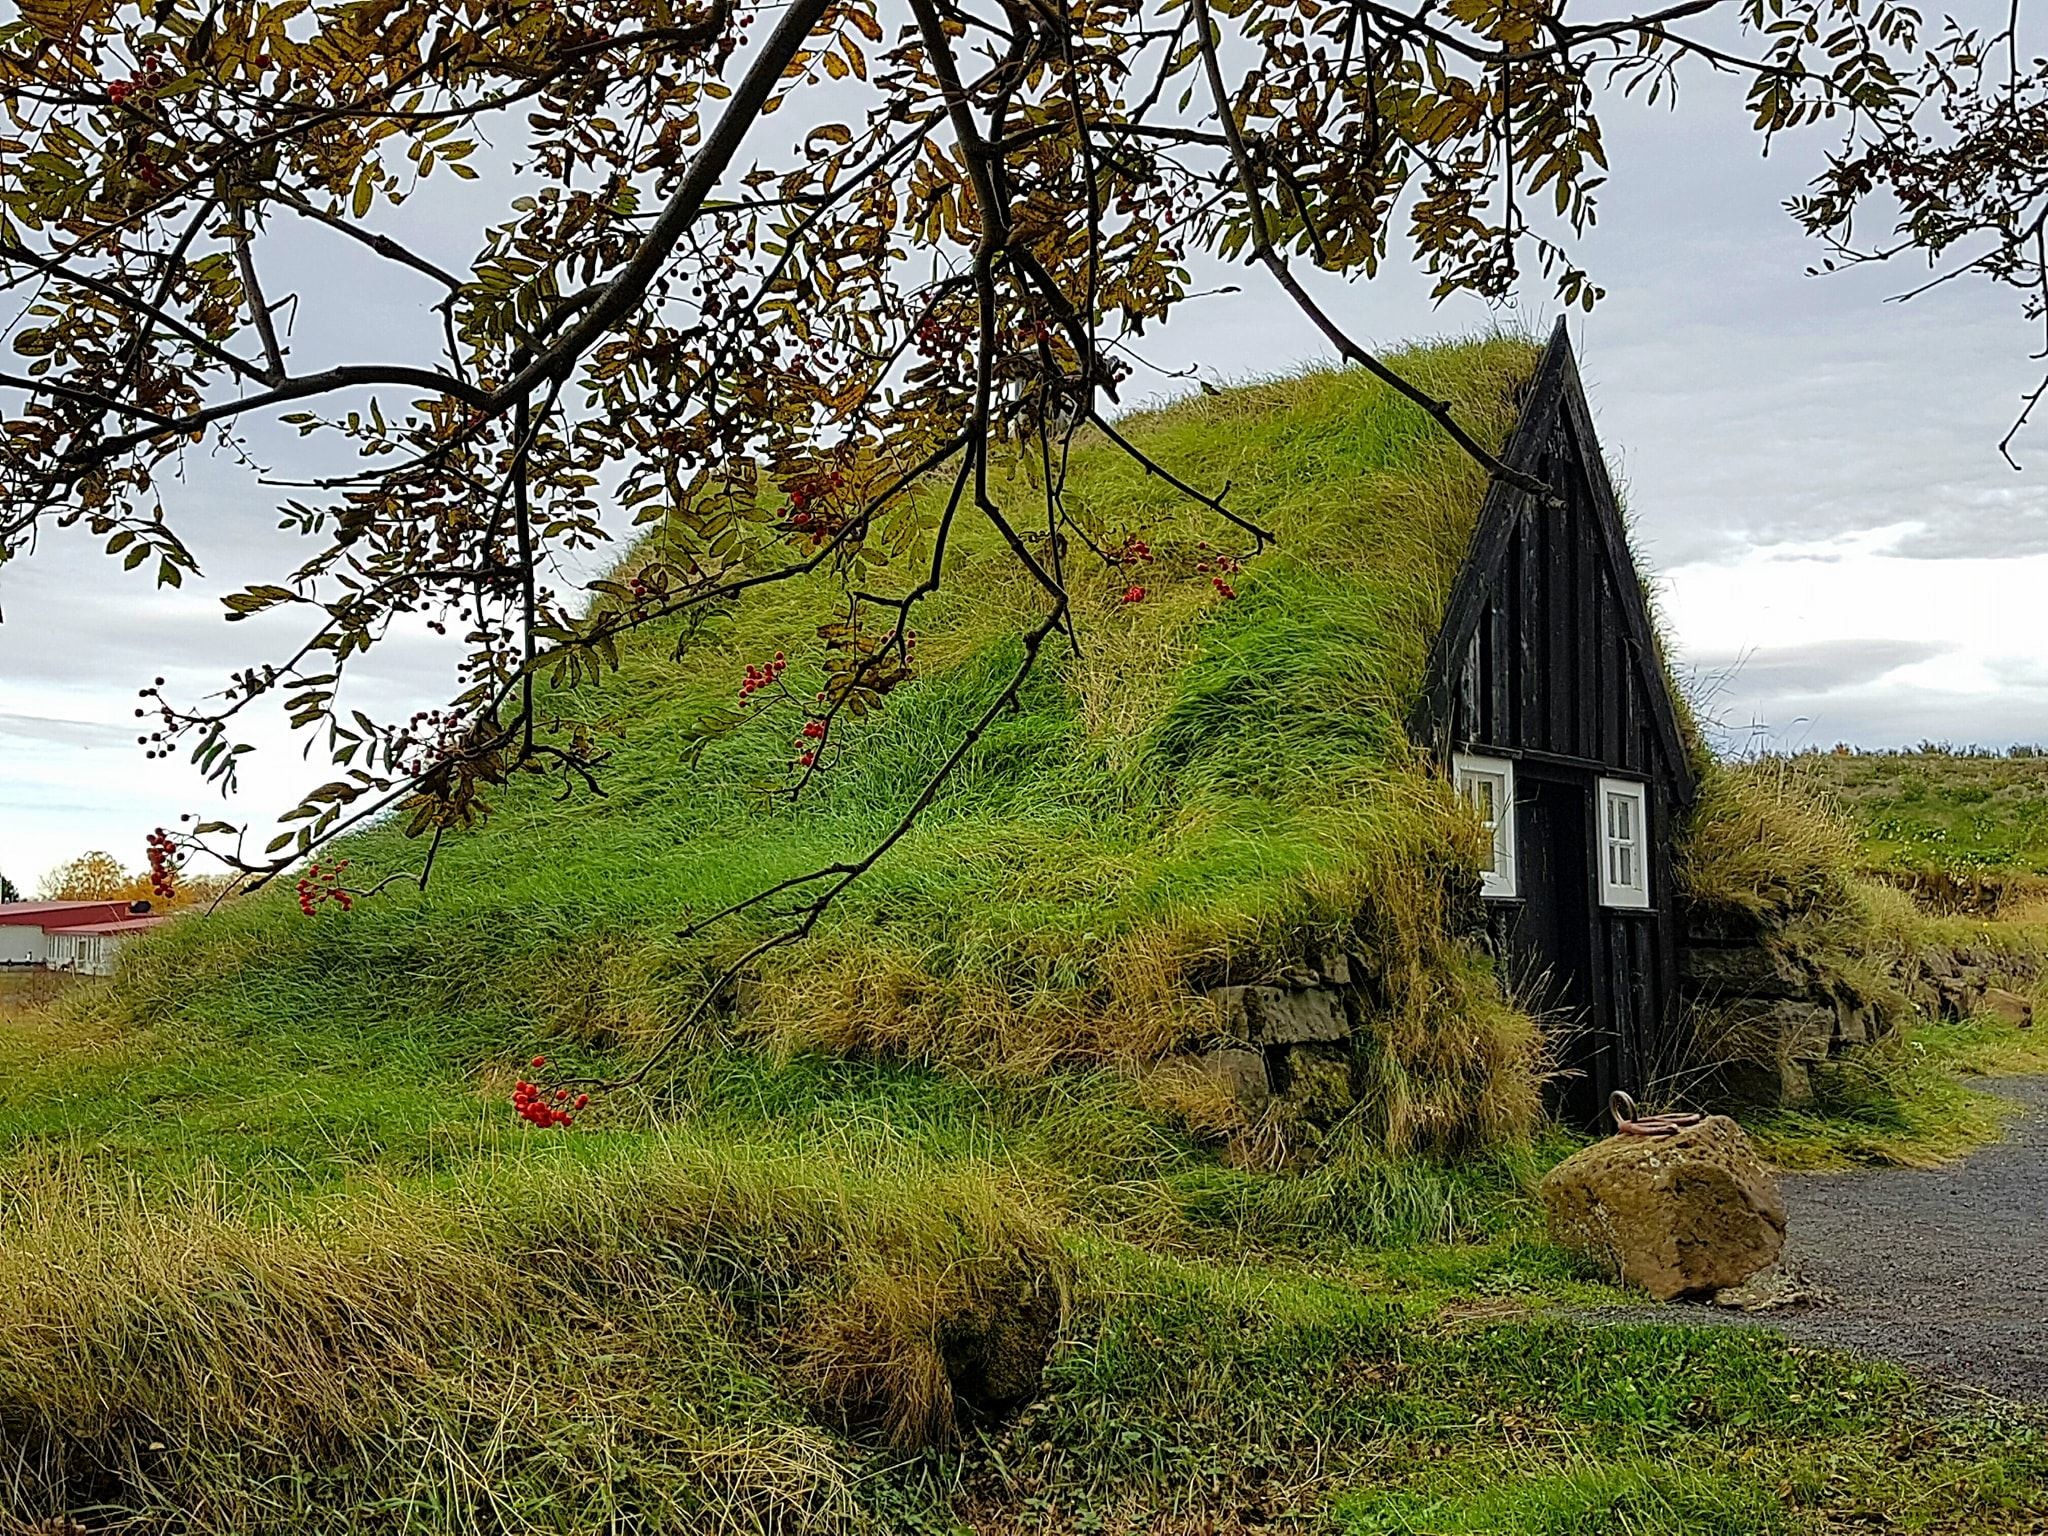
(1943, 1270)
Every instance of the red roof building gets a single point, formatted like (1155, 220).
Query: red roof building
(28, 930)
(88, 948)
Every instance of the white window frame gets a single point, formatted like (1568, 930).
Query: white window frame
(1624, 843)
(1467, 770)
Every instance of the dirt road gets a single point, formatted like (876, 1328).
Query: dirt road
(1945, 1270)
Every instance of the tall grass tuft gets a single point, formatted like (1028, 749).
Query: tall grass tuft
(639, 1334)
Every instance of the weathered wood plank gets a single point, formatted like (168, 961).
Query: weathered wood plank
(1585, 634)
(1614, 675)
(1559, 653)
(1531, 692)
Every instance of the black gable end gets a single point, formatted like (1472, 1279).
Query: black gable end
(1547, 644)
(1547, 699)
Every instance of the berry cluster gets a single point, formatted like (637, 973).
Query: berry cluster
(163, 868)
(757, 678)
(1134, 593)
(944, 335)
(807, 741)
(156, 741)
(1217, 567)
(429, 739)
(323, 883)
(1133, 551)
(810, 509)
(533, 1104)
(149, 77)
(812, 488)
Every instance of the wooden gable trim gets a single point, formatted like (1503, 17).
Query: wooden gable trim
(1555, 393)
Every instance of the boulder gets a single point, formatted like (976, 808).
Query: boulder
(1725, 925)
(2008, 1008)
(1334, 966)
(1683, 1215)
(1937, 962)
(1240, 1071)
(1772, 1081)
(1800, 1028)
(1853, 1023)
(1961, 996)
(1314, 1079)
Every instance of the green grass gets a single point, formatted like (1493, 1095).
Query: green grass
(1209, 787)
(1907, 1102)
(275, 1257)
(1943, 811)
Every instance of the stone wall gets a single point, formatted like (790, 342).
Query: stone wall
(1963, 982)
(1759, 1014)
(1288, 1038)
(1762, 1015)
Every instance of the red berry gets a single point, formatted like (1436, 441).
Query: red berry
(538, 1061)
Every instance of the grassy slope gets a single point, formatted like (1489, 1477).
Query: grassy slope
(1943, 811)
(1211, 784)
(274, 1257)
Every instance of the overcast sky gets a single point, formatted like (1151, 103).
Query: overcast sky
(1812, 474)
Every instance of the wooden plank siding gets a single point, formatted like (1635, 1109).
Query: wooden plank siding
(1547, 658)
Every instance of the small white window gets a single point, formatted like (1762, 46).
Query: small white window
(1489, 784)
(1624, 844)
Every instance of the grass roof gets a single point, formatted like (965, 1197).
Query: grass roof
(1208, 787)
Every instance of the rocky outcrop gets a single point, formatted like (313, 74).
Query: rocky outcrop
(1957, 983)
(1765, 1015)
(1681, 1215)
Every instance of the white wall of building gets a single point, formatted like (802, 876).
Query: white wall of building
(89, 954)
(21, 944)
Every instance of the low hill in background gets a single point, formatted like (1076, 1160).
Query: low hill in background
(1963, 829)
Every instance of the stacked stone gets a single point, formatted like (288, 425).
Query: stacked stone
(1776, 1015)
(1962, 983)
(1287, 1038)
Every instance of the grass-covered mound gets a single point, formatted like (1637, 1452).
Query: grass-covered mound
(275, 1257)
(1207, 789)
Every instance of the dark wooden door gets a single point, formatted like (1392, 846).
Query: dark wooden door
(1551, 943)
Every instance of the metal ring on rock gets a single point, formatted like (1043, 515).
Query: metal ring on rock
(1628, 1121)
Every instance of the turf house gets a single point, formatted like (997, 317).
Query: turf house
(1321, 842)
(1548, 694)
(1265, 920)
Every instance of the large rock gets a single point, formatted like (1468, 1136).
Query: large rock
(1745, 970)
(1682, 1215)
(1240, 1071)
(1762, 1079)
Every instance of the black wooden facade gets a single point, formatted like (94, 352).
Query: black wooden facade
(1547, 662)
